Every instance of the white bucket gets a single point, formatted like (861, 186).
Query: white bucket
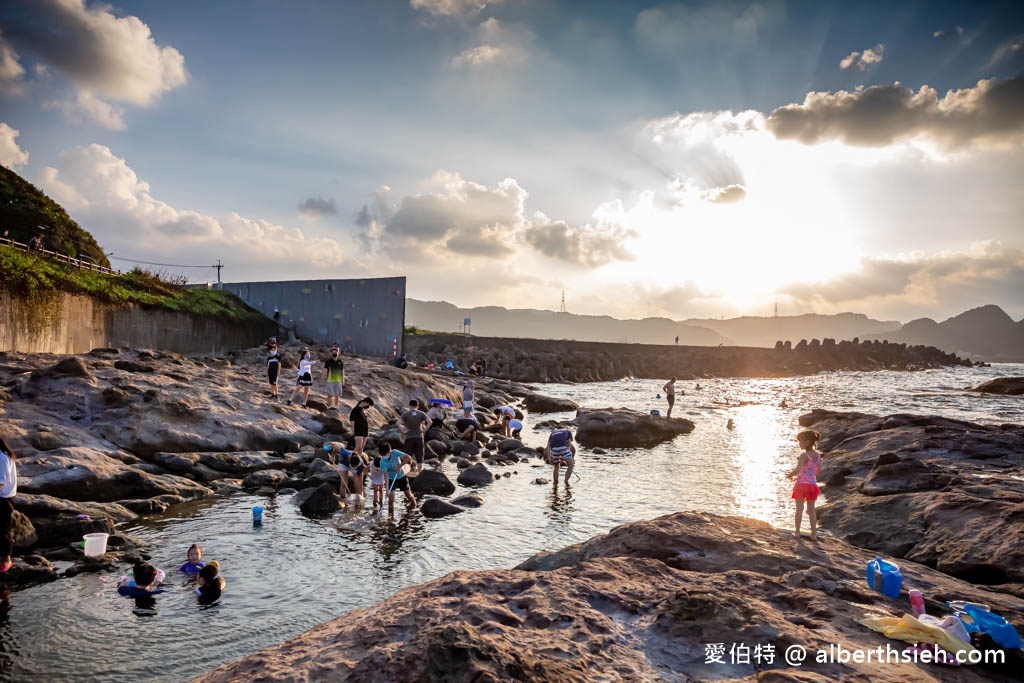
(95, 544)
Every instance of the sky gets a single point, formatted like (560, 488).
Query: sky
(676, 159)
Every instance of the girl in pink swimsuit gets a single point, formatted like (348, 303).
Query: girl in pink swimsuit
(806, 487)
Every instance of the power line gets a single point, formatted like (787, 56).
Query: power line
(168, 265)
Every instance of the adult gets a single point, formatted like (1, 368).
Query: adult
(481, 367)
(670, 394)
(413, 424)
(516, 428)
(392, 463)
(360, 427)
(277, 315)
(341, 460)
(437, 414)
(401, 363)
(8, 489)
(561, 450)
(334, 368)
(305, 380)
(677, 340)
(466, 428)
(273, 369)
(506, 413)
(467, 398)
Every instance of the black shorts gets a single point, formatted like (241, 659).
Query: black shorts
(361, 430)
(671, 399)
(400, 484)
(415, 448)
(272, 374)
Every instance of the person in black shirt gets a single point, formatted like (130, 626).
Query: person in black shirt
(360, 427)
(273, 368)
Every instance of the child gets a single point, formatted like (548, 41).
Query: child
(144, 582)
(194, 564)
(209, 584)
(396, 464)
(273, 368)
(806, 487)
(305, 380)
(379, 480)
(516, 428)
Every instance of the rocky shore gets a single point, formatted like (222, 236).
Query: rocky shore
(641, 603)
(540, 360)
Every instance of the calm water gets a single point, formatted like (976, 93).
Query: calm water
(294, 573)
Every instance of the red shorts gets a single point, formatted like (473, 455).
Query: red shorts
(805, 492)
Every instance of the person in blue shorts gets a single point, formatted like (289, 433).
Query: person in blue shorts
(561, 450)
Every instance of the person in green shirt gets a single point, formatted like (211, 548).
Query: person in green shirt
(335, 369)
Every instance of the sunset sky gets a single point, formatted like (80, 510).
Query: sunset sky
(684, 159)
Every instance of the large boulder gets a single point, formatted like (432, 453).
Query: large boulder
(436, 507)
(538, 403)
(22, 531)
(432, 481)
(272, 478)
(623, 428)
(1010, 386)
(475, 475)
(509, 445)
(320, 501)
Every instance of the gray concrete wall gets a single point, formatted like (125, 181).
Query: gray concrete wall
(363, 316)
(69, 323)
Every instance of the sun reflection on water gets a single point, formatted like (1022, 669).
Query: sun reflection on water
(759, 466)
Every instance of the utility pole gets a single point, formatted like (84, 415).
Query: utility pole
(218, 267)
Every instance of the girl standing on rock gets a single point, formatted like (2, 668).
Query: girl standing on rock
(273, 368)
(467, 399)
(305, 380)
(8, 489)
(806, 487)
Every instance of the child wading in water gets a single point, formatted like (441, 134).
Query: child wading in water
(806, 487)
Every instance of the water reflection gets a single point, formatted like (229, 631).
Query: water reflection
(560, 508)
(755, 457)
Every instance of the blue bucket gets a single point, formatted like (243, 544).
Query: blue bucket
(884, 577)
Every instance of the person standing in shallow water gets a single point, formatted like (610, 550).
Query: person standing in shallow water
(670, 395)
(561, 450)
(8, 489)
(806, 487)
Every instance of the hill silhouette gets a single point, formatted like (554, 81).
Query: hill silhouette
(985, 333)
(26, 211)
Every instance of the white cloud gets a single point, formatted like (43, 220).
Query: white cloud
(452, 8)
(476, 56)
(1008, 49)
(991, 112)
(106, 196)
(11, 70)
(86, 107)
(862, 61)
(11, 155)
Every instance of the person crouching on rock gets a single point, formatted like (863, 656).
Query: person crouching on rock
(8, 489)
(466, 428)
(305, 380)
(561, 449)
(394, 463)
(806, 487)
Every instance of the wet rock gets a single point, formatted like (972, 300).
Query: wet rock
(432, 481)
(436, 507)
(509, 445)
(598, 451)
(465, 447)
(462, 463)
(541, 480)
(439, 447)
(1008, 386)
(469, 500)
(269, 478)
(475, 475)
(29, 571)
(319, 501)
(22, 530)
(623, 428)
(537, 403)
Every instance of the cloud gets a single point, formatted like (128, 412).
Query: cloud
(992, 111)
(11, 70)
(987, 272)
(452, 8)
(106, 196)
(468, 219)
(1008, 49)
(587, 245)
(957, 34)
(85, 106)
(862, 61)
(11, 155)
(476, 56)
(104, 56)
(312, 208)
(731, 27)
(727, 195)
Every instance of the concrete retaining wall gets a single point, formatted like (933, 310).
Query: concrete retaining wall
(70, 323)
(363, 316)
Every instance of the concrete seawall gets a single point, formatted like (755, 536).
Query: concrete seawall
(69, 323)
(541, 360)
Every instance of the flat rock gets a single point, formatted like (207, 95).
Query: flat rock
(537, 403)
(640, 603)
(270, 478)
(624, 428)
(1009, 386)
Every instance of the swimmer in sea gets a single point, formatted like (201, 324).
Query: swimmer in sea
(195, 563)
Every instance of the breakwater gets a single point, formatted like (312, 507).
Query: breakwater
(542, 360)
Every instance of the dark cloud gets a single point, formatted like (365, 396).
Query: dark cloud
(315, 207)
(880, 115)
(586, 246)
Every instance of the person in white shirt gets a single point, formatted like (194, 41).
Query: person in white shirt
(8, 489)
(305, 380)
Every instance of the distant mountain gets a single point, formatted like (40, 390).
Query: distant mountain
(985, 333)
(494, 321)
(752, 331)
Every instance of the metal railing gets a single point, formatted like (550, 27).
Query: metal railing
(63, 258)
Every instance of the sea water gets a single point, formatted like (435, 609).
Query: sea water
(291, 573)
